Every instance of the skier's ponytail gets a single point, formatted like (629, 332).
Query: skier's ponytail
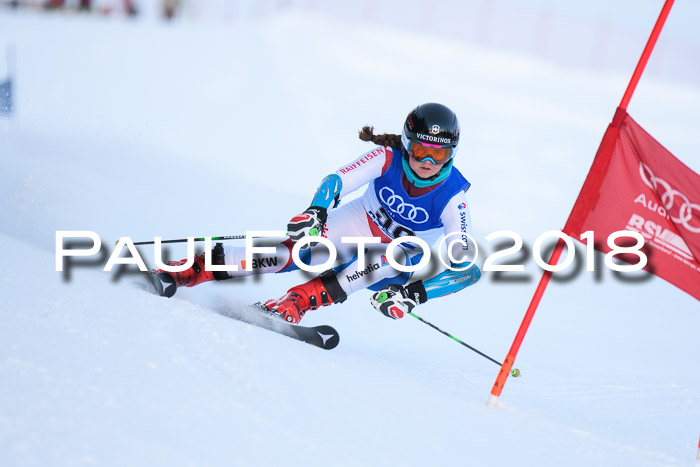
(386, 139)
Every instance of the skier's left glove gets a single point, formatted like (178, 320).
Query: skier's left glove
(396, 300)
(309, 223)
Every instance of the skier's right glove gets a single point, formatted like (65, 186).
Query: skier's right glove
(311, 222)
(393, 301)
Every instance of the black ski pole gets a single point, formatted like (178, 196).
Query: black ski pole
(515, 372)
(183, 240)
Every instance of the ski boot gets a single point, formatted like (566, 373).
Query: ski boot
(321, 291)
(166, 283)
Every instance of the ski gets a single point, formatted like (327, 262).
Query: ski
(323, 336)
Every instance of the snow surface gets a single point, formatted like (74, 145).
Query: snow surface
(145, 129)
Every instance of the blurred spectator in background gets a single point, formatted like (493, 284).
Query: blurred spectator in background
(104, 7)
(130, 8)
(171, 8)
(53, 4)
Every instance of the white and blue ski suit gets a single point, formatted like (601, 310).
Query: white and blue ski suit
(385, 210)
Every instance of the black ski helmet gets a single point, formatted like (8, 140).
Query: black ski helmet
(431, 123)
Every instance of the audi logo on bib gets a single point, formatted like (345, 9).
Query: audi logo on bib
(395, 203)
(684, 212)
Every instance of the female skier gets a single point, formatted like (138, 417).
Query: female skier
(414, 190)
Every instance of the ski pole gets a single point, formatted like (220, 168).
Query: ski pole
(183, 240)
(515, 372)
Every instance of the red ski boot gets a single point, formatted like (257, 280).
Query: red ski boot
(166, 282)
(321, 291)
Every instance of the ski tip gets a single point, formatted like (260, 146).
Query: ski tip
(165, 284)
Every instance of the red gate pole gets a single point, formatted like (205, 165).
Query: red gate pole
(645, 54)
(510, 358)
(544, 281)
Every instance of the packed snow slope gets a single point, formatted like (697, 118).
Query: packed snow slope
(144, 129)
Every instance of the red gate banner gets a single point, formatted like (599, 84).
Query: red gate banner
(636, 184)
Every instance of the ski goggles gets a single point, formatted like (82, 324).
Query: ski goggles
(435, 153)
